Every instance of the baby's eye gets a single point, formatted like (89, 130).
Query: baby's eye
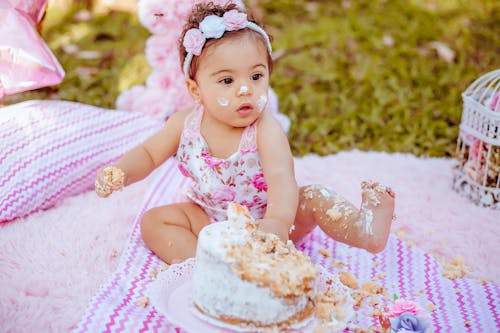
(257, 76)
(226, 80)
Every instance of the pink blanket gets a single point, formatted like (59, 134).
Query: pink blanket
(462, 305)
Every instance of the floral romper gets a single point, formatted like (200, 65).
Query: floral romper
(217, 181)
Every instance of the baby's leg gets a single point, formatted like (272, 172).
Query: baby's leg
(171, 231)
(367, 227)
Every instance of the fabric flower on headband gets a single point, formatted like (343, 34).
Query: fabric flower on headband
(234, 20)
(214, 26)
(194, 41)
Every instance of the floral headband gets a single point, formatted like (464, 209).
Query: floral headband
(214, 26)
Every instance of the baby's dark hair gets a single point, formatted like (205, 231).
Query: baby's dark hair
(204, 9)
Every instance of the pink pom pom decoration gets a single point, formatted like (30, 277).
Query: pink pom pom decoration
(128, 99)
(159, 103)
(161, 50)
(159, 16)
(160, 79)
(26, 63)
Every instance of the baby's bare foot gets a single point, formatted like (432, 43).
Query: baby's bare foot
(377, 212)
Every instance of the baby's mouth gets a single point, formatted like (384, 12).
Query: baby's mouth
(245, 106)
(245, 109)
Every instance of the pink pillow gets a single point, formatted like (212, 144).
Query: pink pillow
(52, 149)
(34, 9)
(26, 62)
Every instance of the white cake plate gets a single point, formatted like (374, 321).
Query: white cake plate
(170, 294)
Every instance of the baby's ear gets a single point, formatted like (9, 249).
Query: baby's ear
(193, 89)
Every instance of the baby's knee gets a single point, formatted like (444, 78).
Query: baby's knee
(148, 224)
(315, 191)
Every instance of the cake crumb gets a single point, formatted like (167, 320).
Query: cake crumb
(143, 302)
(325, 253)
(375, 313)
(400, 233)
(374, 301)
(308, 192)
(430, 307)
(380, 276)
(164, 266)
(271, 330)
(154, 274)
(321, 329)
(372, 288)
(337, 264)
(362, 330)
(455, 269)
(418, 292)
(348, 280)
(114, 254)
(468, 323)
(334, 214)
(114, 175)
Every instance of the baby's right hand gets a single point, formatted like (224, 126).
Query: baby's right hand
(109, 179)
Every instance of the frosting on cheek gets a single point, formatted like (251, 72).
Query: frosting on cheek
(222, 101)
(261, 103)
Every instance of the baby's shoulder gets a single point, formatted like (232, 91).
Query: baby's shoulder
(174, 125)
(267, 123)
(178, 118)
(270, 130)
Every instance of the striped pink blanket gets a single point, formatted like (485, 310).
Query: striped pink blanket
(462, 305)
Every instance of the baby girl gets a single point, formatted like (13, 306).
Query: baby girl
(234, 150)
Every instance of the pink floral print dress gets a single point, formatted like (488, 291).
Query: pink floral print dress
(217, 181)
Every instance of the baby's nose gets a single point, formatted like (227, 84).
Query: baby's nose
(243, 91)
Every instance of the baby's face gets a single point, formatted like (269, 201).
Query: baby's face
(233, 80)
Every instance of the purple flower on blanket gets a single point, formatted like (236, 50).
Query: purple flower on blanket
(259, 182)
(224, 194)
(408, 322)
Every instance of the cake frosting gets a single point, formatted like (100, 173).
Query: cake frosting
(247, 277)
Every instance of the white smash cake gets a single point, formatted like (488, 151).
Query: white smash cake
(246, 277)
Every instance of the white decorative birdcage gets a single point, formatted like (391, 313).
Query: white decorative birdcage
(478, 145)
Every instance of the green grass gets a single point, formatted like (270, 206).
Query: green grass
(342, 87)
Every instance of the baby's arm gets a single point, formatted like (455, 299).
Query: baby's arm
(278, 168)
(140, 161)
